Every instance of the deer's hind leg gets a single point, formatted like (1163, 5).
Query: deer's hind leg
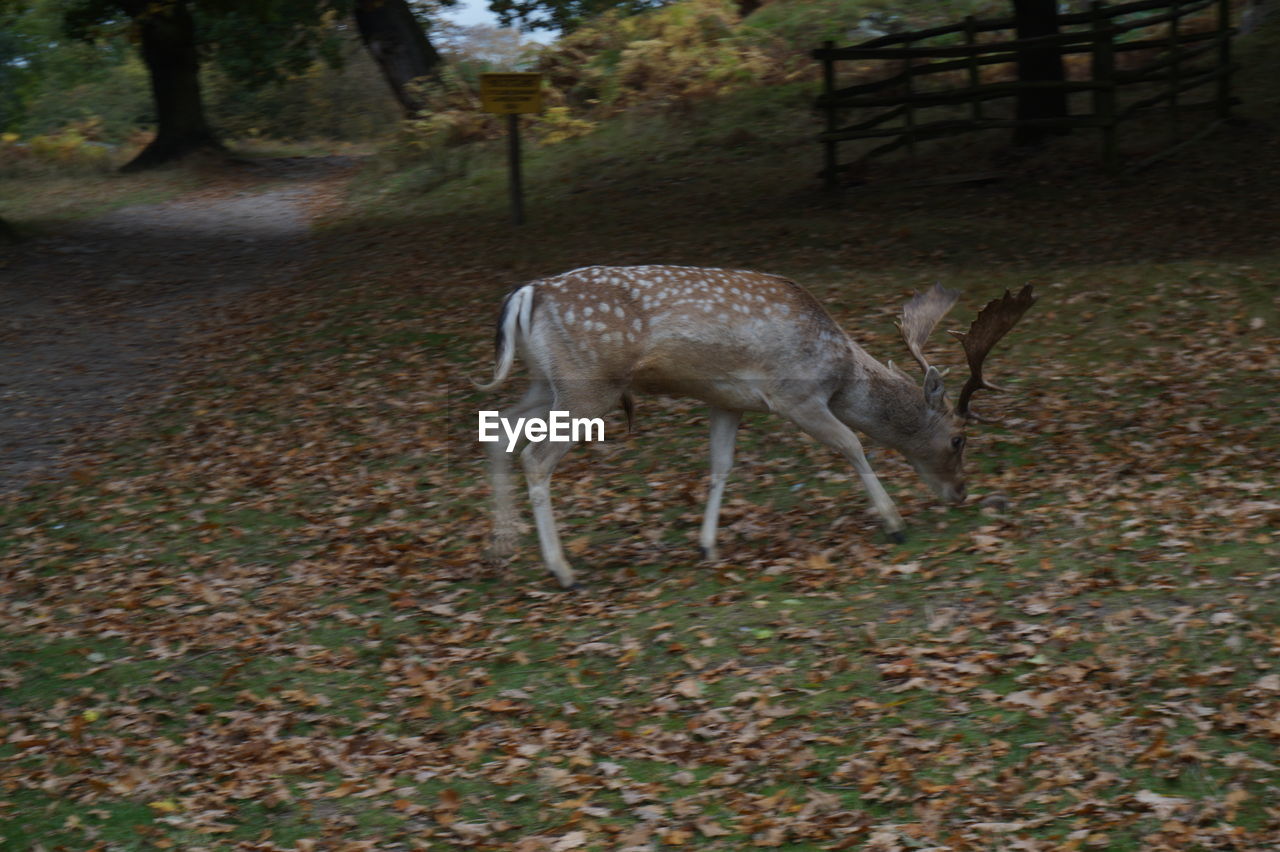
(540, 460)
(536, 403)
(724, 432)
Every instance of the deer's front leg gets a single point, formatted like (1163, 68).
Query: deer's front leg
(724, 432)
(825, 427)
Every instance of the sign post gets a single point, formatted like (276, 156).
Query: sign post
(512, 94)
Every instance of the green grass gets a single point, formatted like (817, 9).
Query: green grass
(39, 203)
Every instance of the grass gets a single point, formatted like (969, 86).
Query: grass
(41, 203)
(265, 621)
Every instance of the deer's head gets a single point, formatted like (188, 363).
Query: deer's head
(936, 449)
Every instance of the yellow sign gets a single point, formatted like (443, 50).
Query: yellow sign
(511, 92)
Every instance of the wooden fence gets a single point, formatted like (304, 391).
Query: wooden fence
(1189, 49)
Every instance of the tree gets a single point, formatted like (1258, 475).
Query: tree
(1038, 64)
(167, 38)
(172, 35)
(396, 41)
(254, 43)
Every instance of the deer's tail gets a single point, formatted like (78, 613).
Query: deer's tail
(514, 321)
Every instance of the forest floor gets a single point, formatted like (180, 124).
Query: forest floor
(259, 618)
(97, 314)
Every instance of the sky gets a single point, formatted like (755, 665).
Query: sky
(469, 13)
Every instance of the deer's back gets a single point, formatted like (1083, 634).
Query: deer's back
(714, 334)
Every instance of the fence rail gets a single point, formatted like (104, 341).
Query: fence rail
(1169, 64)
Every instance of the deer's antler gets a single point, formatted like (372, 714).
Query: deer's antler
(992, 323)
(920, 315)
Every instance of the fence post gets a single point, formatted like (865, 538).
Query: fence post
(1224, 59)
(1175, 69)
(975, 78)
(829, 154)
(909, 117)
(1104, 92)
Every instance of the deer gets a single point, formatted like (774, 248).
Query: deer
(739, 341)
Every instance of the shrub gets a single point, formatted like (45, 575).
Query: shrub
(69, 150)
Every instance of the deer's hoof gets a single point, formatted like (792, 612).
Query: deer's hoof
(495, 558)
(566, 579)
(708, 554)
(897, 536)
(501, 549)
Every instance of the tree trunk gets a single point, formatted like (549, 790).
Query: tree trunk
(1038, 18)
(168, 40)
(395, 40)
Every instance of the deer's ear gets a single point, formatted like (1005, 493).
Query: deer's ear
(935, 393)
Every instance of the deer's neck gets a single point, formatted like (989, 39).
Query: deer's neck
(882, 403)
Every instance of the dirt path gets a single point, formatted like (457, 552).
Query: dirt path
(92, 320)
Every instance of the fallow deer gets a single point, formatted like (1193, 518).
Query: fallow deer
(740, 341)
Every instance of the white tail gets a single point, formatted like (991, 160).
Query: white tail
(513, 324)
(740, 341)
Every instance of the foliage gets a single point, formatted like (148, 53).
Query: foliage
(692, 50)
(253, 43)
(803, 24)
(558, 124)
(441, 136)
(259, 43)
(71, 150)
(116, 99)
(323, 85)
(52, 81)
(342, 101)
(673, 55)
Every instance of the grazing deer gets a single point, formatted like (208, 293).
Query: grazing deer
(739, 341)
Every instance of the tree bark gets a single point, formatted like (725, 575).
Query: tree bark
(168, 40)
(395, 40)
(1038, 18)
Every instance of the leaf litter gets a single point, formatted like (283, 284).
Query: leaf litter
(266, 623)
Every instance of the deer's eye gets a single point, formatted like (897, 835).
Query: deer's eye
(957, 443)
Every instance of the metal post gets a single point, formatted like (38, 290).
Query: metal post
(513, 163)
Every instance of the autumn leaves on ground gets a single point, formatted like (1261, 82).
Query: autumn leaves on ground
(261, 620)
